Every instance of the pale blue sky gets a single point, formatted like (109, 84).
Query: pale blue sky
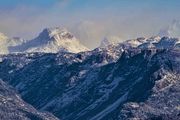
(89, 20)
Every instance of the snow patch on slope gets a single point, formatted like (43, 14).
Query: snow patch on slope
(110, 108)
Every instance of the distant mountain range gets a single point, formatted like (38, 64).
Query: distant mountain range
(50, 40)
(137, 79)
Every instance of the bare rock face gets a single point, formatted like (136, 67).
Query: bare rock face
(12, 107)
(163, 104)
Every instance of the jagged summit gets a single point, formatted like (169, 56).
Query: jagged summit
(160, 43)
(144, 43)
(55, 33)
(51, 40)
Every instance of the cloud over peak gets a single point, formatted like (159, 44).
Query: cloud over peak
(172, 30)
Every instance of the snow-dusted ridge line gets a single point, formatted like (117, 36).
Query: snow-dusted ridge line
(144, 43)
(53, 40)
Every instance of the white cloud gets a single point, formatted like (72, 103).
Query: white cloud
(173, 30)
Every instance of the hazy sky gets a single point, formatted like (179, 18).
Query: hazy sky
(88, 20)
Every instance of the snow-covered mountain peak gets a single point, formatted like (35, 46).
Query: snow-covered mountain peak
(160, 43)
(167, 42)
(142, 40)
(50, 40)
(56, 33)
(144, 43)
(53, 40)
(155, 42)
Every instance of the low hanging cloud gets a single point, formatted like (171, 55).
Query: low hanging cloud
(87, 24)
(173, 30)
(27, 22)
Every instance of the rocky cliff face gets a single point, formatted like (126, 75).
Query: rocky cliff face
(12, 107)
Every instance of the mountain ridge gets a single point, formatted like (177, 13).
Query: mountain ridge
(102, 84)
(50, 40)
